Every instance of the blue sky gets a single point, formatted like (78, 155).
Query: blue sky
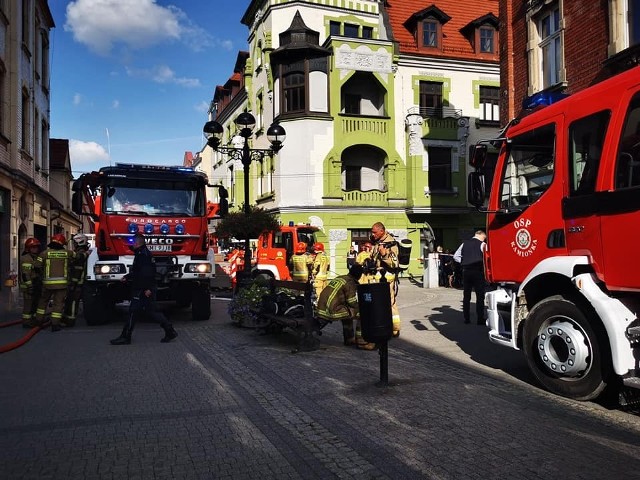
(131, 80)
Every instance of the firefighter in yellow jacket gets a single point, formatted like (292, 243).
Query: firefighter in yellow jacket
(78, 272)
(339, 301)
(53, 264)
(364, 258)
(301, 261)
(320, 268)
(385, 256)
(30, 282)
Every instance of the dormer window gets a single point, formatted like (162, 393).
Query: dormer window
(482, 33)
(426, 25)
(430, 33)
(487, 35)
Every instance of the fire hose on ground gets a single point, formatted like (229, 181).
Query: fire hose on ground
(18, 343)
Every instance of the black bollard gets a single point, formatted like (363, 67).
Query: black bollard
(376, 319)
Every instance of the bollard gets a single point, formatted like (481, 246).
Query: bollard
(374, 301)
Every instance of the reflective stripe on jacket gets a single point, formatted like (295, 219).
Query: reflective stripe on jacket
(54, 265)
(27, 272)
(300, 271)
(321, 265)
(339, 299)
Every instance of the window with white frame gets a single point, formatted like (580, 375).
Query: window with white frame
(489, 103)
(550, 46)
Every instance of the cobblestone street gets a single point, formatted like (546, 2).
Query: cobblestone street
(223, 402)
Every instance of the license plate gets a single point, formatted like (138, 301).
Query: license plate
(159, 248)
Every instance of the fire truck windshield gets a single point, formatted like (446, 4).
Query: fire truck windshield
(160, 200)
(528, 167)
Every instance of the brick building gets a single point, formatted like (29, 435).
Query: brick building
(563, 46)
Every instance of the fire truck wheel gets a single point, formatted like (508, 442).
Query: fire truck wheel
(201, 304)
(567, 353)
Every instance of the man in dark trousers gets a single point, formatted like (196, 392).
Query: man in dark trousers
(471, 256)
(142, 278)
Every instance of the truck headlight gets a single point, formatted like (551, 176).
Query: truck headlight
(110, 268)
(198, 268)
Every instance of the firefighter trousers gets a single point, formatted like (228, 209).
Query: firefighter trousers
(30, 297)
(56, 296)
(71, 305)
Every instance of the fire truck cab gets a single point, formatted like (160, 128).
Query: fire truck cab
(275, 249)
(563, 225)
(167, 205)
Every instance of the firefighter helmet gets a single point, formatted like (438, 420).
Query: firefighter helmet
(59, 238)
(31, 242)
(301, 247)
(318, 247)
(80, 240)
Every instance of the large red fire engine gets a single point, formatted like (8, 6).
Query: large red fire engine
(563, 227)
(168, 205)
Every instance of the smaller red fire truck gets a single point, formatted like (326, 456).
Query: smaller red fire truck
(563, 226)
(168, 205)
(275, 249)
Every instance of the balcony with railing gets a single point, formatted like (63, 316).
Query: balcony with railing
(369, 198)
(378, 127)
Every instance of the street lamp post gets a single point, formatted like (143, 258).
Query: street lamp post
(245, 122)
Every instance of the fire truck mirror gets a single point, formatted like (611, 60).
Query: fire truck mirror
(76, 202)
(476, 190)
(478, 155)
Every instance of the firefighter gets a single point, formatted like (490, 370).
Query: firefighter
(364, 258)
(339, 301)
(142, 278)
(319, 268)
(30, 282)
(77, 275)
(300, 262)
(385, 256)
(53, 265)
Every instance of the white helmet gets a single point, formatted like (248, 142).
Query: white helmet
(81, 240)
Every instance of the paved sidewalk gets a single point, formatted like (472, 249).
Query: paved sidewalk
(222, 402)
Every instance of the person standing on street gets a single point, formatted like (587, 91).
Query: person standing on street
(351, 257)
(53, 267)
(30, 282)
(300, 262)
(142, 278)
(470, 255)
(78, 274)
(364, 259)
(319, 269)
(385, 256)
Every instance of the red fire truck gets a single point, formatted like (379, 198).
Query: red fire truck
(274, 249)
(168, 205)
(563, 225)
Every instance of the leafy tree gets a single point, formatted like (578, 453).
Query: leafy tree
(242, 226)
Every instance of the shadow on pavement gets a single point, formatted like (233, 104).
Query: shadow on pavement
(473, 340)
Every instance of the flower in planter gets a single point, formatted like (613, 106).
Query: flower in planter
(245, 305)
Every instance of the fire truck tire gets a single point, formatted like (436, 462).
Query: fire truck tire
(201, 304)
(566, 352)
(95, 310)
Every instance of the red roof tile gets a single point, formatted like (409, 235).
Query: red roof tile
(454, 43)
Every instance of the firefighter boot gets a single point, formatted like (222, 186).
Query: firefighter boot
(169, 333)
(348, 336)
(124, 338)
(362, 344)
